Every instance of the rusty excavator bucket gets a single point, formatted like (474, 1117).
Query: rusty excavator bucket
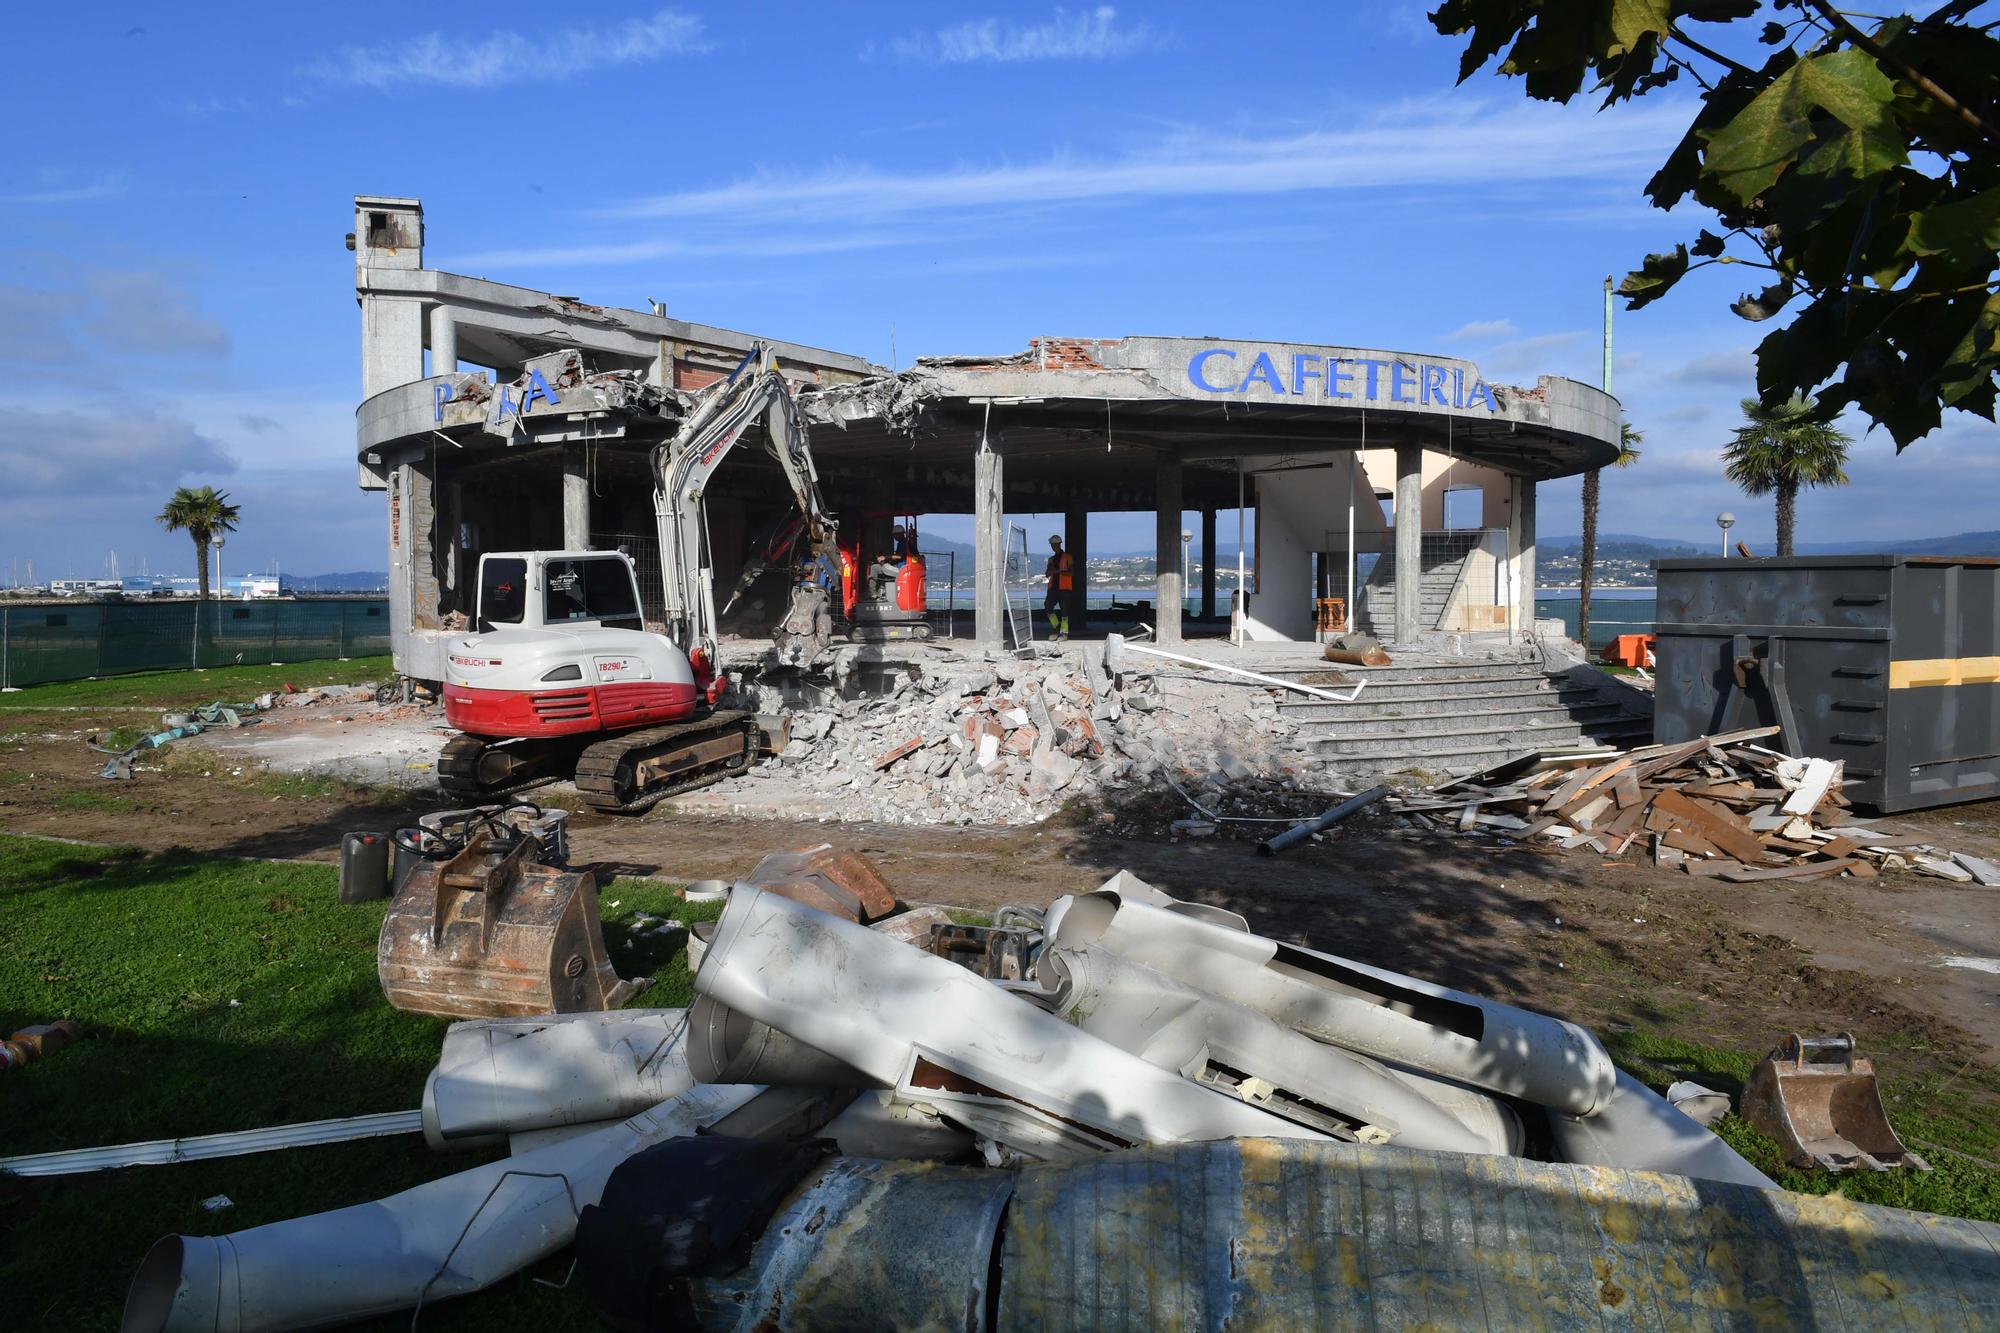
(483, 928)
(1819, 1100)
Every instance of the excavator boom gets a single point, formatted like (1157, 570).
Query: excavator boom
(754, 393)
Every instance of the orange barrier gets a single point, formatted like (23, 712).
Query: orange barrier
(1629, 650)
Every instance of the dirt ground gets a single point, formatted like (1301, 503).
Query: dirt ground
(1608, 944)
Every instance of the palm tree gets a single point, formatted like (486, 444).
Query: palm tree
(1782, 449)
(201, 512)
(1629, 440)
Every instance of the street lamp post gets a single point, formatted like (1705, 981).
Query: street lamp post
(1725, 520)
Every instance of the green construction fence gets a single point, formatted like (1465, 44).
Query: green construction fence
(44, 643)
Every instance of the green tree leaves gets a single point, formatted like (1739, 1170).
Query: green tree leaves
(1858, 167)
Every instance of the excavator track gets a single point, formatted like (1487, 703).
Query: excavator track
(477, 767)
(633, 771)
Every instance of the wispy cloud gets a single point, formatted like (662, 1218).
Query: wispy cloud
(1429, 143)
(206, 108)
(1482, 330)
(1090, 34)
(1736, 368)
(55, 192)
(509, 57)
(1527, 353)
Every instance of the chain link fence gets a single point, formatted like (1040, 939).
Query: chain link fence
(50, 642)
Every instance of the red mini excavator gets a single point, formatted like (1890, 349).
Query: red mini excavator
(560, 675)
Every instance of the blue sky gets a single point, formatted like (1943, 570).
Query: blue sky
(176, 305)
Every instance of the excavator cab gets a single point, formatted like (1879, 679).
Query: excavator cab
(557, 589)
(883, 580)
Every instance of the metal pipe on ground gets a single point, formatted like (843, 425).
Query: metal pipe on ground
(1200, 1035)
(1116, 645)
(1300, 832)
(908, 1018)
(443, 1238)
(499, 1076)
(1378, 1013)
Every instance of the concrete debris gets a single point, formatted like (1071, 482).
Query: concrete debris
(943, 734)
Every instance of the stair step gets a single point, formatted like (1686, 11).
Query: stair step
(1518, 739)
(1301, 707)
(1442, 721)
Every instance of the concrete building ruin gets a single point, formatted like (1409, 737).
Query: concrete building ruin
(502, 418)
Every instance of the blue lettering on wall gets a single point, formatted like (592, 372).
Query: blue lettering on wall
(1400, 388)
(1417, 383)
(1304, 367)
(1262, 370)
(537, 387)
(1195, 364)
(1338, 377)
(443, 395)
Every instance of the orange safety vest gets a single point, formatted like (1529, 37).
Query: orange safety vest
(1059, 571)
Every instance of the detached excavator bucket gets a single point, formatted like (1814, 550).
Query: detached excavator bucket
(492, 932)
(1819, 1100)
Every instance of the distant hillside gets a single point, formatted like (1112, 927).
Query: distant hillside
(1622, 546)
(366, 580)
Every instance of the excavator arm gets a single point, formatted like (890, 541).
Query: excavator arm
(754, 392)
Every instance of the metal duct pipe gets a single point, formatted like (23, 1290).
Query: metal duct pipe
(727, 1047)
(1178, 1027)
(498, 1076)
(1640, 1130)
(898, 1014)
(1384, 1014)
(444, 1238)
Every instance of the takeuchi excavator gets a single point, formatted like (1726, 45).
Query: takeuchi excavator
(561, 676)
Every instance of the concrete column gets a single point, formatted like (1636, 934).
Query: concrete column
(1167, 547)
(1076, 540)
(444, 340)
(989, 542)
(1208, 563)
(1409, 542)
(1521, 552)
(575, 498)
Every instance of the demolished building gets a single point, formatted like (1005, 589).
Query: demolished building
(503, 418)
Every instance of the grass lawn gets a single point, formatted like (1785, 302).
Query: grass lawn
(187, 689)
(221, 995)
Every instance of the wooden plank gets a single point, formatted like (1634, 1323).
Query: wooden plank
(1710, 869)
(1726, 833)
(1689, 841)
(1819, 775)
(1803, 870)
(1839, 847)
(1626, 791)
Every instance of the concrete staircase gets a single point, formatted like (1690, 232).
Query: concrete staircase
(1451, 716)
(1443, 556)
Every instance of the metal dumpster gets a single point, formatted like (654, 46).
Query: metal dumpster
(1889, 662)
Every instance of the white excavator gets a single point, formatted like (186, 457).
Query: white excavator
(560, 674)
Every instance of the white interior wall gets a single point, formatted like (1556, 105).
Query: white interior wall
(1296, 509)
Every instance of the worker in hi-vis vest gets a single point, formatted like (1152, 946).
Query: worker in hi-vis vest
(1056, 604)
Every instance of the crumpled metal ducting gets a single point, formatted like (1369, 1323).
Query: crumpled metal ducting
(442, 1238)
(1237, 1050)
(1365, 1009)
(908, 1019)
(500, 1076)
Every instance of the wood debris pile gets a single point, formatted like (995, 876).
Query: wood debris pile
(1719, 807)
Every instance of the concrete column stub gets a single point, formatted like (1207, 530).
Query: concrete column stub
(989, 519)
(1409, 543)
(1168, 584)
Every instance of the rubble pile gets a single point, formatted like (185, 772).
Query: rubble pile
(964, 738)
(1718, 807)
